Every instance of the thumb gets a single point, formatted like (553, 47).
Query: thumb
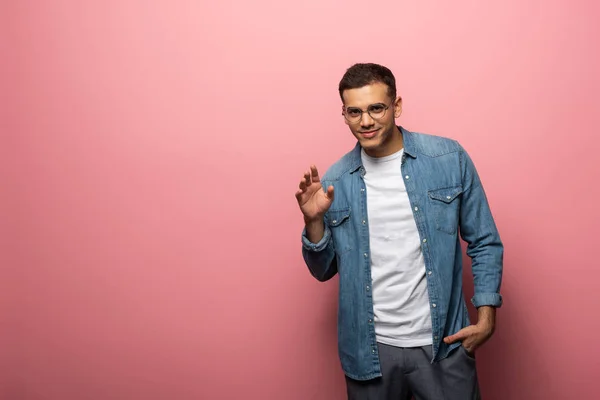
(330, 192)
(458, 336)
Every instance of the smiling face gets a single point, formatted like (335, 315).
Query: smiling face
(370, 113)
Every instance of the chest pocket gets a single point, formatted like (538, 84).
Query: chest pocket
(341, 228)
(445, 205)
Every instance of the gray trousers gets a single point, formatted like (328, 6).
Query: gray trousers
(408, 372)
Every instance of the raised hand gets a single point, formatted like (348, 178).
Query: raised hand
(313, 201)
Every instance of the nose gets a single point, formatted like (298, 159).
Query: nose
(366, 120)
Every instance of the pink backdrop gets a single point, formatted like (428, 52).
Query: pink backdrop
(150, 155)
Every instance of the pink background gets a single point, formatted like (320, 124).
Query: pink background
(150, 155)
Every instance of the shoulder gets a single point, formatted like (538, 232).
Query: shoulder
(433, 145)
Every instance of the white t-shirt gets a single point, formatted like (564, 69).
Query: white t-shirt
(400, 296)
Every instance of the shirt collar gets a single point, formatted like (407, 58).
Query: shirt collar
(408, 144)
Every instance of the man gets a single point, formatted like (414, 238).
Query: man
(388, 218)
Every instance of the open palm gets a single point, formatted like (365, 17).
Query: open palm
(312, 199)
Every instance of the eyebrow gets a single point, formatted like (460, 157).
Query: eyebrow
(373, 104)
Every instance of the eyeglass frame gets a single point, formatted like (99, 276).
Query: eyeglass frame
(386, 107)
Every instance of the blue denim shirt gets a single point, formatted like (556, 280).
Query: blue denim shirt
(448, 202)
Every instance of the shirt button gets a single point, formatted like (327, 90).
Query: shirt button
(416, 208)
(434, 305)
(366, 255)
(373, 351)
(407, 176)
(448, 197)
(424, 240)
(367, 288)
(435, 337)
(362, 189)
(430, 272)
(370, 320)
(334, 221)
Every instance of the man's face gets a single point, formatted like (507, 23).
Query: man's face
(375, 131)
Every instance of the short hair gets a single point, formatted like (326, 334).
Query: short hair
(363, 74)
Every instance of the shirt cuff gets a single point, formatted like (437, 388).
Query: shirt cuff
(487, 299)
(321, 245)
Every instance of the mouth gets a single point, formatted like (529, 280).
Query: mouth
(369, 134)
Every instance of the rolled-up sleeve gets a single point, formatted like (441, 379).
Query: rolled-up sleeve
(320, 257)
(479, 230)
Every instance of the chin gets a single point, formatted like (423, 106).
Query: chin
(372, 143)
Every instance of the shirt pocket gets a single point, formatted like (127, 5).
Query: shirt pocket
(445, 206)
(339, 224)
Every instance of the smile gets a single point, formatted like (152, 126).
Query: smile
(369, 134)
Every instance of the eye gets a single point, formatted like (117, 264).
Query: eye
(353, 112)
(377, 108)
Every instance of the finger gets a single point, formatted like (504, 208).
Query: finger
(330, 192)
(470, 346)
(314, 173)
(307, 178)
(302, 185)
(301, 198)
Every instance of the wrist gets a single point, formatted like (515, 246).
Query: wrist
(486, 326)
(313, 221)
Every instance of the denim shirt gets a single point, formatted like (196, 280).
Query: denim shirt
(448, 202)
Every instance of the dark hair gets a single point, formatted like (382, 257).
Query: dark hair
(363, 74)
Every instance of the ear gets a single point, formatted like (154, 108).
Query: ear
(398, 107)
(343, 117)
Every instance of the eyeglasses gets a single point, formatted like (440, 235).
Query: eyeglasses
(375, 111)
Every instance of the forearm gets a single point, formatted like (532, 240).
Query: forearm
(315, 229)
(486, 254)
(486, 318)
(478, 229)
